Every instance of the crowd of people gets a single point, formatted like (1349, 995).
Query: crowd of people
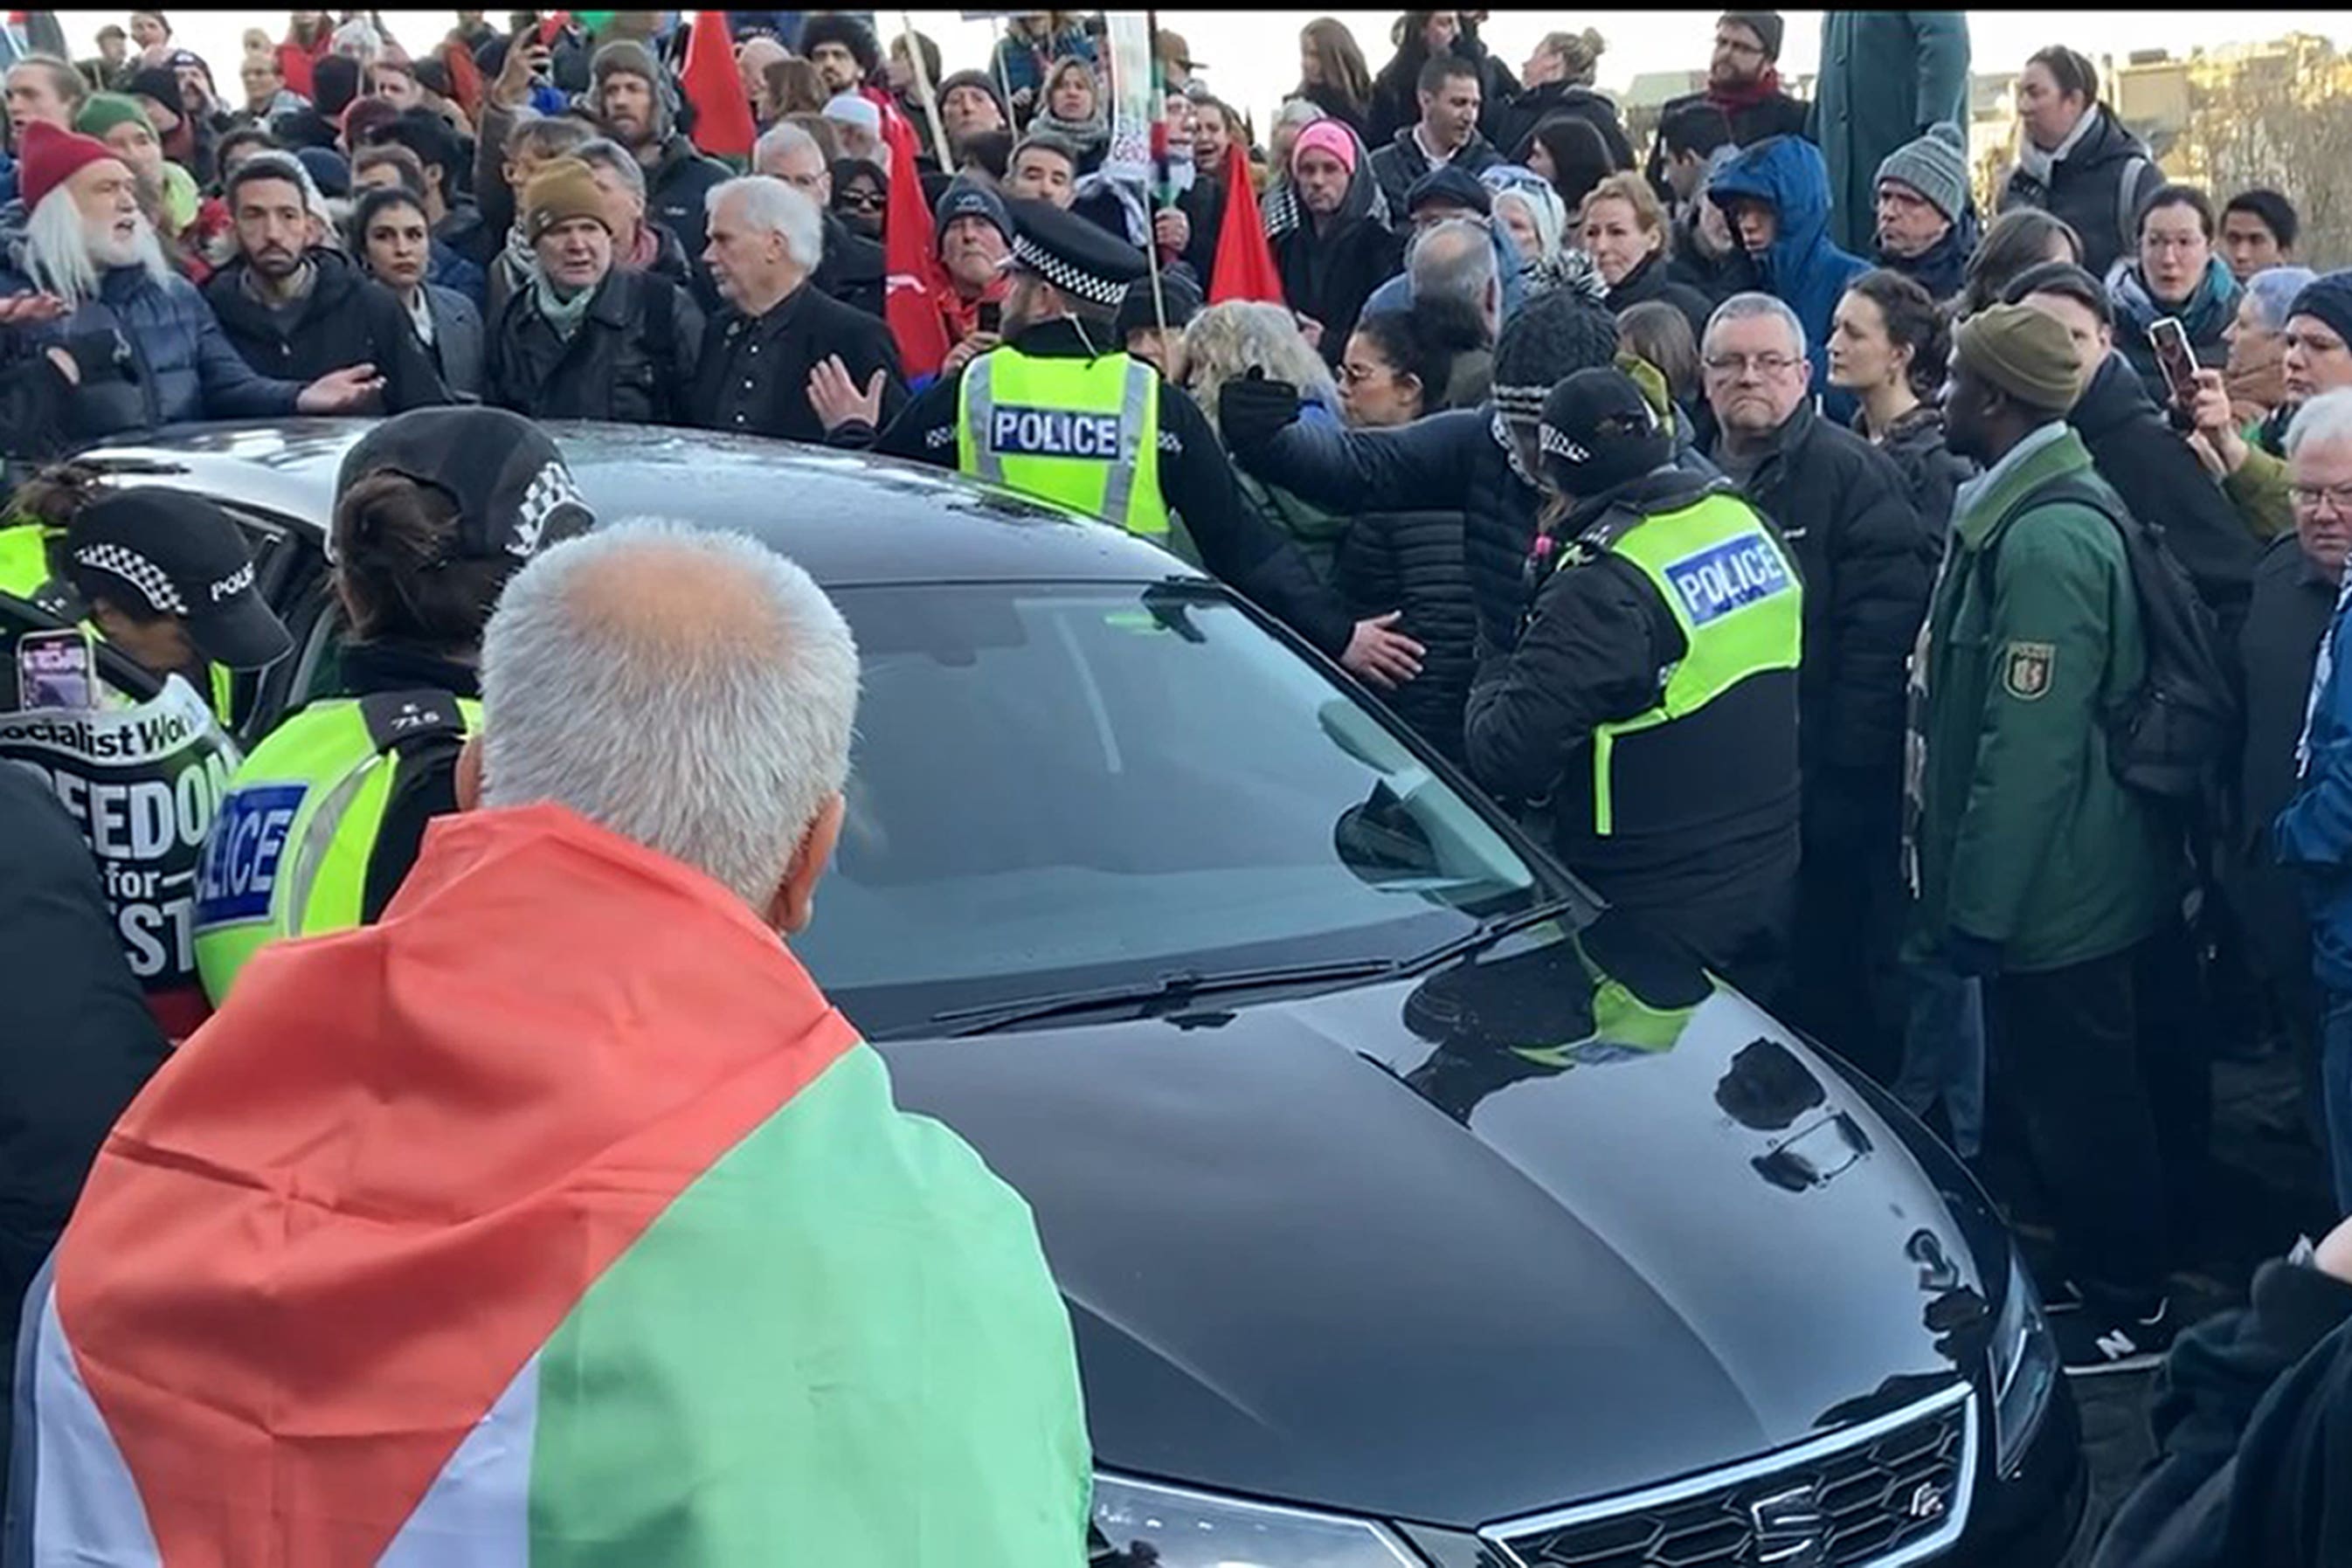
(1918, 601)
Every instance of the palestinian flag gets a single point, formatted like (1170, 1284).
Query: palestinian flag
(554, 1220)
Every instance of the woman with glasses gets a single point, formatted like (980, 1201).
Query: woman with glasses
(861, 193)
(2177, 274)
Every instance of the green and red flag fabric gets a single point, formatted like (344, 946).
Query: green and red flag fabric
(723, 125)
(1245, 266)
(554, 1220)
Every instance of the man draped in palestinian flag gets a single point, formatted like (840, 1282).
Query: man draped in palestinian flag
(557, 1219)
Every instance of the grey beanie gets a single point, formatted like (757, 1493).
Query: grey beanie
(1935, 165)
(628, 56)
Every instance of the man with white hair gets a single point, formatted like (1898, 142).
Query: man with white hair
(2315, 832)
(723, 1302)
(125, 313)
(853, 270)
(1868, 562)
(766, 245)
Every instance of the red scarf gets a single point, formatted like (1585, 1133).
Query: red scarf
(1746, 95)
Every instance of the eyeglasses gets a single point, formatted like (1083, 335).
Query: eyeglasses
(2307, 498)
(1740, 364)
(1734, 46)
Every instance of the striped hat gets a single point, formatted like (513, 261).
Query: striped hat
(1073, 254)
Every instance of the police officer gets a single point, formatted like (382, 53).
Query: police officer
(1059, 409)
(1650, 704)
(434, 510)
(166, 578)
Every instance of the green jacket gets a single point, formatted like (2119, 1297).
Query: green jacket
(1315, 530)
(2026, 839)
(2258, 490)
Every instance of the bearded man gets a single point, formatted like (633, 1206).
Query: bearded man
(146, 348)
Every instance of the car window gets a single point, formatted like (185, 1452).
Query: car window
(1061, 787)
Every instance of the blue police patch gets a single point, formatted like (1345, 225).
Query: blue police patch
(244, 851)
(1017, 431)
(1727, 577)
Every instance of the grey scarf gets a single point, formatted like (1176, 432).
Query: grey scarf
(564, 315)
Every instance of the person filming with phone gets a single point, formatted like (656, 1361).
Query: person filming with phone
(2175, 299)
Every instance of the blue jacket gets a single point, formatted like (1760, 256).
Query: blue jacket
(1802, 266)
(2314, 834)
(180, 365)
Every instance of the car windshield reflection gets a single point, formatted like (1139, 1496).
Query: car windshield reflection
(1085, 786)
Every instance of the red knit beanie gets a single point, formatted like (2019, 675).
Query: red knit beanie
(49, 157)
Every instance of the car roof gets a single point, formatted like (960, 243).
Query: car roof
(845, 517)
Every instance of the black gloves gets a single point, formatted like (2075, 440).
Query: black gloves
(1253, 411)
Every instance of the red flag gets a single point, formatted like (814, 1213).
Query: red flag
(910, 257)
(1245, 267)
(722, 116)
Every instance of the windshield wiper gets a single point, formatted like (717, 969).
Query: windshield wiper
(1495, 929)
(1174, 988)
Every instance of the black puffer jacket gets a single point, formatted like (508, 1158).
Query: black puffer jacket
(1868, 564)
(2164, 484)
(1435, 464)
(346, 319)
(632, 359)
(2097, 188)
(1522, 114)
(1438, 463)
(1413, 561)
(1932, 472)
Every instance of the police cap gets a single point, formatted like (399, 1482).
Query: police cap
(512, 490)
(1073, 254)
(176, 553)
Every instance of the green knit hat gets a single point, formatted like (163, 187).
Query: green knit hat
(103, 111)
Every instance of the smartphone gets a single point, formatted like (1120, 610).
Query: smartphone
(55, 670)
(2174, 357)
(992, 316)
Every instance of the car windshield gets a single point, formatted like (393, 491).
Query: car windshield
(1073, 787)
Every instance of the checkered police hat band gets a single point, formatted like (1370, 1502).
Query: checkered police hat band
(1064, 275)
(119, 560)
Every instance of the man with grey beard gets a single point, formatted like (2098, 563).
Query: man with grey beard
(144, 346)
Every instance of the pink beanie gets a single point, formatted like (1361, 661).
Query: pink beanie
(1325, 136)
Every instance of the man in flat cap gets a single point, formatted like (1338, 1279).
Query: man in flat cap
(1060, 411)
(2036, 868)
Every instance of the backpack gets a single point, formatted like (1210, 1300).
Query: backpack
(2174, 736)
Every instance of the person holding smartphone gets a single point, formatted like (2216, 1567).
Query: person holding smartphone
(2176, 277)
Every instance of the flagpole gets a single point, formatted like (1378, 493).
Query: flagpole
(1151, 214)
(923, 93)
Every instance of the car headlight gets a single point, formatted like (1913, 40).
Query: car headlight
(2024, 1366)
(1143, 1521)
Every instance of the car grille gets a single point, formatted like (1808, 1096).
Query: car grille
(1893, 1491)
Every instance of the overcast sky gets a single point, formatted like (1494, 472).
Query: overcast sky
(1253, 56)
